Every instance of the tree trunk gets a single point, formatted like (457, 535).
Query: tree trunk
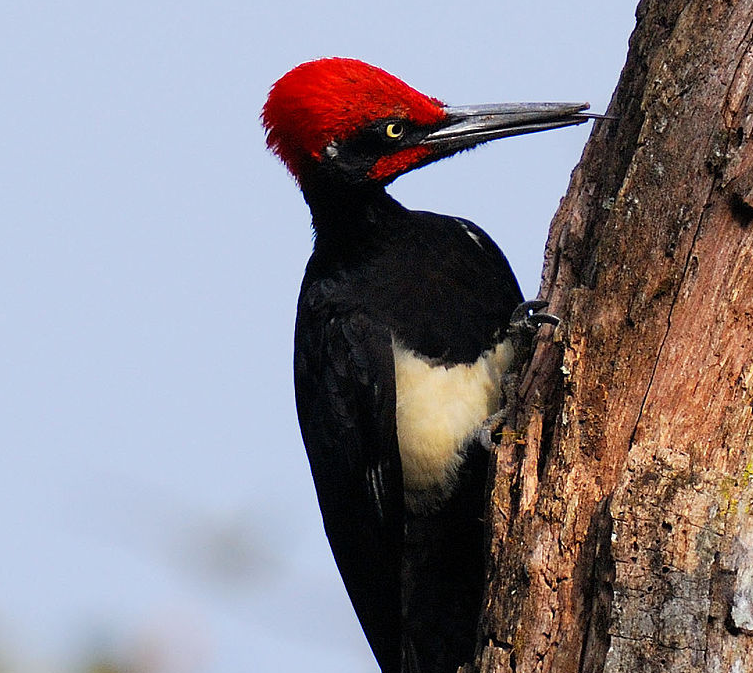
(620, 510)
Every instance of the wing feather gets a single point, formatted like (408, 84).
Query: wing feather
(345, 395)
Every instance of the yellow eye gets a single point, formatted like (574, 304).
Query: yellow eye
(394, 130)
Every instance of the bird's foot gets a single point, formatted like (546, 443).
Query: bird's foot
(525, 322)
(528, 317)
(491, 428)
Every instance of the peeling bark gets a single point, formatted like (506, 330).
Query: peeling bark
(620, 509)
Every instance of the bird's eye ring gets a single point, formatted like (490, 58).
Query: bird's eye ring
(394, 130)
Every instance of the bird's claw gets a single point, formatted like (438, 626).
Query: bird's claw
(525, 321)
(524, 309)
(490, 427)
(528, 316)
(544, 319)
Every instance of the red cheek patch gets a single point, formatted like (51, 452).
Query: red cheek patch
(395, 164)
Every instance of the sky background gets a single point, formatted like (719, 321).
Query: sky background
(155, 502)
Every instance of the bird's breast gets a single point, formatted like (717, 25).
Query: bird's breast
(439, 409)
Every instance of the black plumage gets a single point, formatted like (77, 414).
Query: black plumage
(443, 288)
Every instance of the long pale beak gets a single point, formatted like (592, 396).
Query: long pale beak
(470, 125)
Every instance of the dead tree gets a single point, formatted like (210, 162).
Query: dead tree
(621, 508)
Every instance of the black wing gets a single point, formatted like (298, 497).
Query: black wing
(345, 395)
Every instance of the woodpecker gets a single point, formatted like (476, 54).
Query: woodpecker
(400, 348)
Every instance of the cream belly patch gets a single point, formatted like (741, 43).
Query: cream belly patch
(438, 410)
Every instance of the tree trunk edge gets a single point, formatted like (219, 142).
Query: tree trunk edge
(621, 534)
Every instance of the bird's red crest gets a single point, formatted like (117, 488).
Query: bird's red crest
(328, 100)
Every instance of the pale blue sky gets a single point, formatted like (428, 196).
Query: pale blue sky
(154, 493)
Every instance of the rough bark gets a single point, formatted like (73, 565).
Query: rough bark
(620, 509)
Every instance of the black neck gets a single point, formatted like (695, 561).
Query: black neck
(345, 214)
